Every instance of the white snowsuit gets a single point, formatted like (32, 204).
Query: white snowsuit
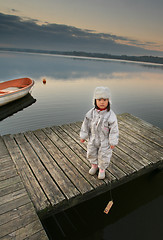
(101, 130)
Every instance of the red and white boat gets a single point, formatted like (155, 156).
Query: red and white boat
(14, 89)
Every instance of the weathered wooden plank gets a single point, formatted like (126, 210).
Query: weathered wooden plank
(134, 154)
(142, 131)
(21, 223)
(112, 172)
(77, 126)
(55, 157)
(78, 180)
(16, 213)
(9, 182)
(132, 143)
(113, 169)
(155, 154)
(51, 194)
(18, 223)
(41, 235)
(11, 188)
(75, 135)
(7, 206)
(28, 231)
(3, 149)
(143, 141)
(79, 155)
(126, 158)
(6, 164)
(73, 158)
(12, 196)
(8, 173)
(33, 187)
(6, 158)
(118, 173)
(82, 154)
(57, 175)
(127, 169)
(80, 149)
(125, 147)
(139, 161)
(140, 122)
(124, 167)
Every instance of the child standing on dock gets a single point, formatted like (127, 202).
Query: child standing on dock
(100, 128)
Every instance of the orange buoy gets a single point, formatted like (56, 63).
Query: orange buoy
(44, 81)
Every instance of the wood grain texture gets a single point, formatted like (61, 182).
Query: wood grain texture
(54, 169)
(18, 218)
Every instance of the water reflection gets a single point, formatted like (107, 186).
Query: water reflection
(37, 65)
(67, 95)
(16, 106)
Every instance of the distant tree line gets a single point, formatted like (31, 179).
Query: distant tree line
(150, 59)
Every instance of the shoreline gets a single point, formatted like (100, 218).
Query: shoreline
(91, 56)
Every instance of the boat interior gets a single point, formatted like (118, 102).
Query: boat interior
(9, 90)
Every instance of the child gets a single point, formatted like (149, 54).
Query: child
(100, 127)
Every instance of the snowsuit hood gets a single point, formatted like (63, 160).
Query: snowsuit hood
(102, 92)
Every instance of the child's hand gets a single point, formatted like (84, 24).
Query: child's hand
(112, 147)
(82, 140)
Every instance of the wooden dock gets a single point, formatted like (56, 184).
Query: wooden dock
(18, 218)
(53, 166)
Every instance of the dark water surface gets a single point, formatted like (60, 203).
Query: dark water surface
(136, 88)
(136, 214)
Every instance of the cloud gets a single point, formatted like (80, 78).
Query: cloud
(14, 10)
(30, 33)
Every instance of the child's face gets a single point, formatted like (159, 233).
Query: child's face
(102, 103)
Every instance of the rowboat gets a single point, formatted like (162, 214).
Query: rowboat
(14, 89)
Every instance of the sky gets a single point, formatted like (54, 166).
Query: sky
(131, 27)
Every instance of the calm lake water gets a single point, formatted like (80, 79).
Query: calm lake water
(136, 88)
(67, 95)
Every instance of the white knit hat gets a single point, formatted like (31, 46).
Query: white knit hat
(102, 92)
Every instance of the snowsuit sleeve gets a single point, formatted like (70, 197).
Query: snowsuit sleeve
(114, 131)
(85, 128)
